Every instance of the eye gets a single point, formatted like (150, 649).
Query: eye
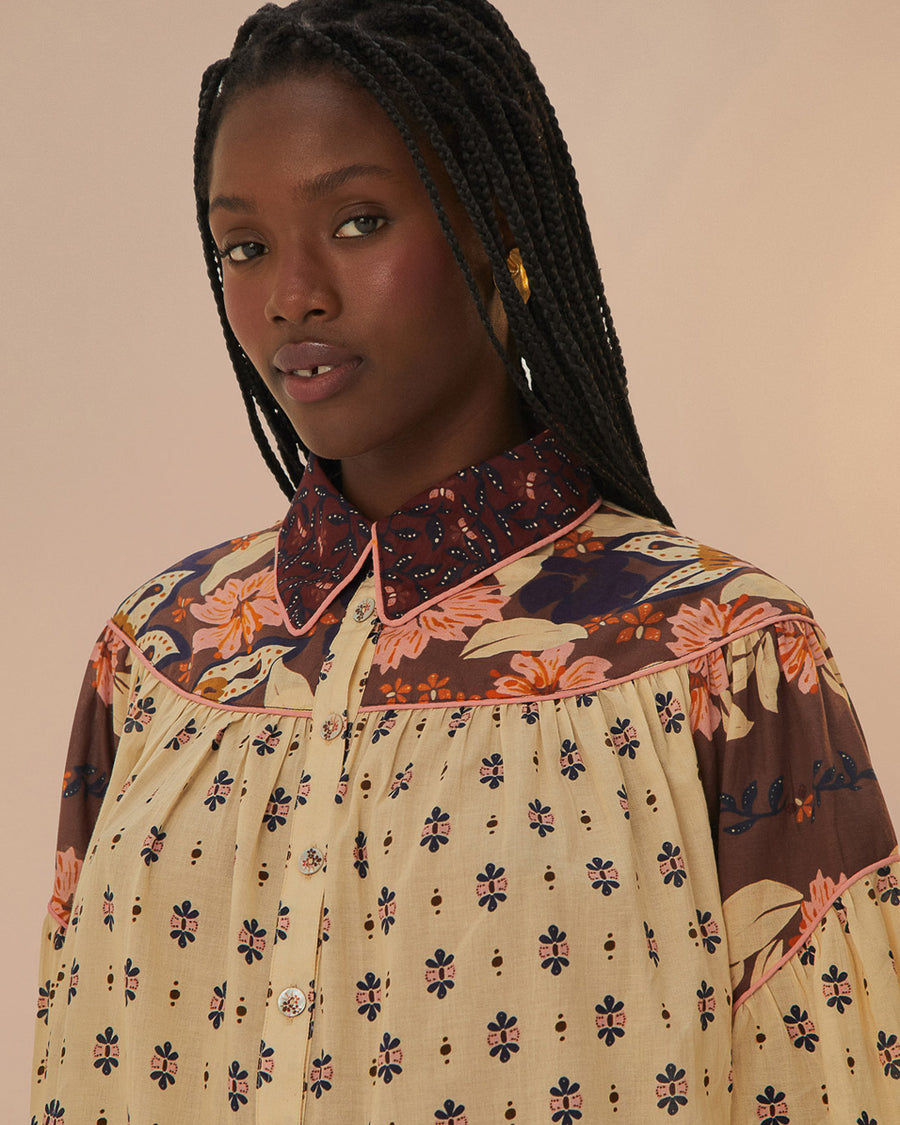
(360, 226)
(240, 252)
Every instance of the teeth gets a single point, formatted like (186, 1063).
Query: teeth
(309, 372)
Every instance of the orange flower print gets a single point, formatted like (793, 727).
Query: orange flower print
(103, 660)
(434, 689)
(396, 692)
(68, 869)
(581, 541)
(179, 610)
(639, 623)
(800, 654)
(546, 672)
(446, 621)
(803, 802)
(236, 611)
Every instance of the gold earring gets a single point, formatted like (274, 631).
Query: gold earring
(517, 269)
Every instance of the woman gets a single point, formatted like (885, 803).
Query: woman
(471, 792)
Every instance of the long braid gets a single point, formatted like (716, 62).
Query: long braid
(455, 70)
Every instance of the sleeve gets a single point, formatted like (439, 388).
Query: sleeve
(92, 747)
(808, 869)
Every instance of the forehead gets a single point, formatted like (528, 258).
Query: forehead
(305, 123)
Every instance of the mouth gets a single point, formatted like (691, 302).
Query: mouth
(311, 372)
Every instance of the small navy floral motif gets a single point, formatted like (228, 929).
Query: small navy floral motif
(888, 1054)
(775, 1105)
(671, 1089)
(491, 886)
(553, 950)
(652, 947)
(450, 1114)
(131, 974)
(320, 1075)
(566, 1103)
(440, 973)
(503, 1037)
(670, 711)
(44, 996)
(267, 741)
(251, 940)
(624, 737)
(836, 989)
(106, 1051)
(303, 790)
(139, 714)
(360, 855)
(326, 925)
(266, 1064)
(602, 875)
(706, 1004)
(153, 845)
(283, 923)
(671, 865)
(571, 763)
(386, 724)
(277, 809)
(540, 817)
(622, 794)
(459, 720)
(53, 1111)
(216, 1014)
(491, 772)
(530, 713)
(401, 781)
(807, 955)
(218, 792)
(864, 1119)
(610, 1020)
(238, 1086)
(436, 831)
(183, 923)
(164, 1065)
(73, 981)
(368, 996)
(183, 737)
(387, 909)
(109, 908)
(341, 792)
(887, 886)
(390, 1057)
(801, 1028)
(709, 930)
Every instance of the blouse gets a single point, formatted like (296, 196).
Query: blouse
(512, 806)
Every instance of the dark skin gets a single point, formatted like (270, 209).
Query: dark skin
(357, 263)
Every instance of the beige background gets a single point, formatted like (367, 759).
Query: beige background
(741, 170)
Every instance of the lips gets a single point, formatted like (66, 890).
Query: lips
(309, 358)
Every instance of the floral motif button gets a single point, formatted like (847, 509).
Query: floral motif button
(311, 860)
(291, 1002)
(363, 610)
(332, 726)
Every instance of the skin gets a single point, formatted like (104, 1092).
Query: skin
(363, 266)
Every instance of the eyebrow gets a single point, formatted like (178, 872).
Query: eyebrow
(317, 188)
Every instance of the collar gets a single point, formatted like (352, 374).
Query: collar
(445, 538)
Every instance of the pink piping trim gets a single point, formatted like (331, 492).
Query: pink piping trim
(838, 891)
(193, 698)
(334, 593)
(650, 670)
(530, 549)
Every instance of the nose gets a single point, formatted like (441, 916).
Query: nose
(301, 289)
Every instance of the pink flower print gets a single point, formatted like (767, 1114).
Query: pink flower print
(800, 654)
(705, 715)
(445, 621)
(546, 673)
(65, 879)
(236, 612)
(821, 893)
(103, 660)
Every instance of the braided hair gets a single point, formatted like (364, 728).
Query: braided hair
(452, 74)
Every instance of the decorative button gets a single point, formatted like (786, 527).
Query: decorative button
(332, 726)
(311, 860)
(364, 610)
(291, 1002)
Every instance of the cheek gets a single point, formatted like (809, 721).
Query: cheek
(422, 286)
(240, 309)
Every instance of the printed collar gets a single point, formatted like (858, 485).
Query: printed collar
(447, 537)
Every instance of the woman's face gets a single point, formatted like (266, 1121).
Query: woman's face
(333, 258)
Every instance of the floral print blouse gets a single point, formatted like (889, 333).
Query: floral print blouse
(511, 807)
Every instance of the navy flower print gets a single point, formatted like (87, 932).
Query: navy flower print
(491, 886)
(267, 741)
(624, 738)
(459, 720)
(53, 1111)
(671, 1089)
(553, 950)
(386, 724)
(503, 1036)
(566, 1103)
(888, 1054)
(774, 1105)
(251, 940)
(671, 865)
(387, 909)
(450, 1113)
(602, 875)
(218, 792)
(109, 908)
(140, 712)
(277, 809)
(164, 1065)
(216, 1013)
(491, 772)
(610, 1020)
(390, 1057)
(106, 1051)
(706, 1004)
(401, 781)
(570, 760)
(436, 831)
(131, 974)
(709, 931)
(73, 982)
(540, 817)
(282, 923)
(887, 886)
(183, 737)
(360, 855)
(836, 989)
(801, 1028)
(44, 996)
(320, 1075)
(670, 711)
(153, 845)
(303, 789)
(266, 1064)
(368, 996)
(440, 973)
(652, 947)
(238, 1086)
(183, 923)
